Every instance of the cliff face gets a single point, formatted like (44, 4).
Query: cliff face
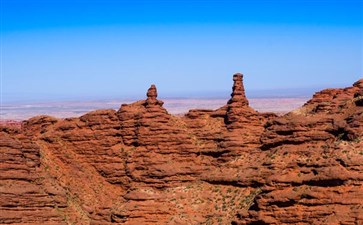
(233, 165)
(316, 163)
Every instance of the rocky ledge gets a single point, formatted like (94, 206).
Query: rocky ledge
(232, 165)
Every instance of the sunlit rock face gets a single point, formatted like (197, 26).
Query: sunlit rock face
(233, 165)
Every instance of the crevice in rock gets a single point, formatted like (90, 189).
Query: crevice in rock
(307, 196)
(325, 183)
(216, 154)
(282, 204)
(279, 143)
(340, 134)
(358, 99)
(341, 162)
(117, 218)
(315, 172)
(285, 132)
(233, 183)
(254, 206)
(260, 222)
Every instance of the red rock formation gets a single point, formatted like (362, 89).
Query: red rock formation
(330, 114)
(244, 124)
(141, 165)
(238, 102)
(26, 195)
(315, 164)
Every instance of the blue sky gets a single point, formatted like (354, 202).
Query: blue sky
(77, 49)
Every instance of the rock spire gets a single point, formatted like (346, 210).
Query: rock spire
(152, 94)
(238, 96)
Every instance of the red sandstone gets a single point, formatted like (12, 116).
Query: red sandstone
(233, 165)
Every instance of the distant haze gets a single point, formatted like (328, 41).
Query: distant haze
(63, 109)
(76, 50)
(20, 98)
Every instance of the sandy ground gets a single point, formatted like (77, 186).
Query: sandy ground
(174, 106)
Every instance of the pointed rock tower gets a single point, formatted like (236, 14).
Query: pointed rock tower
(244, 124)
(151, 100)
(237, 107)
(238, 97)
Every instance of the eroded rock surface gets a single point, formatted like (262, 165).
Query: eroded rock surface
(232, 165)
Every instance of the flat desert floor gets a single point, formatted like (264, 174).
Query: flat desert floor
(18, 111)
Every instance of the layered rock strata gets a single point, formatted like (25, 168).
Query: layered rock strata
(232, 165)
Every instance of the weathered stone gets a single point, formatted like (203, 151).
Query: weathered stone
(141, 165)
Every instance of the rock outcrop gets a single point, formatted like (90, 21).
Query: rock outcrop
(315, 163)
(232, 165)
(27, 196)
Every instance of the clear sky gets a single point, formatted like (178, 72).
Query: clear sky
(76, 49)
